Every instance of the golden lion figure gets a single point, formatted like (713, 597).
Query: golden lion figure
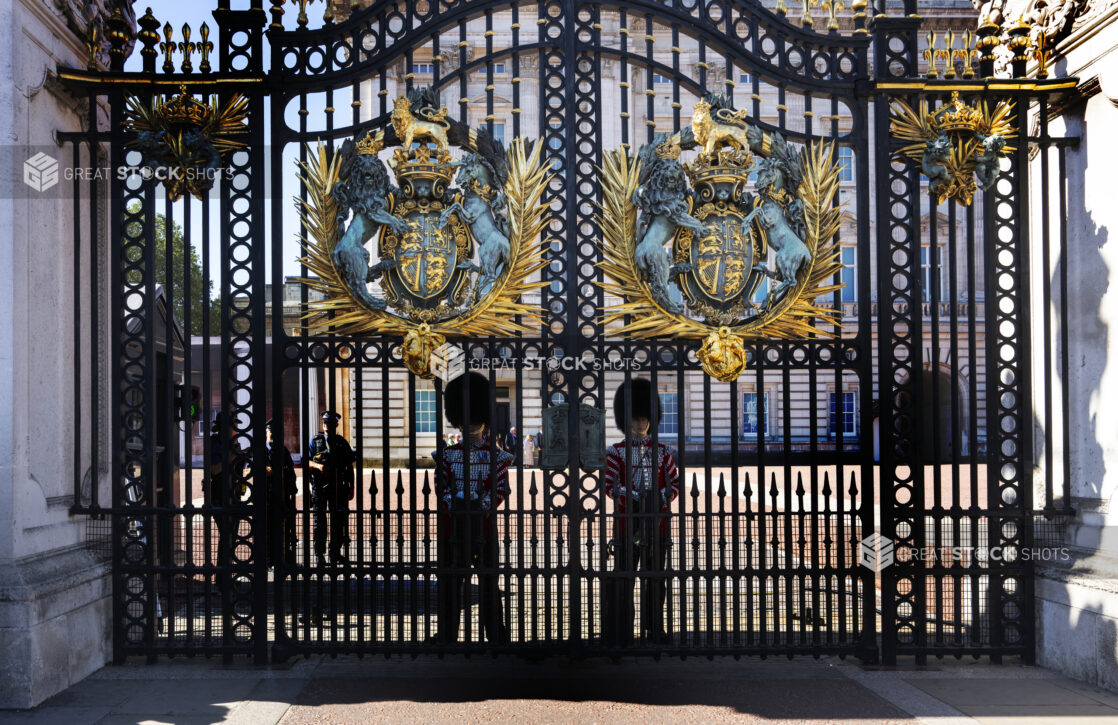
(712, 131)
(410, 128)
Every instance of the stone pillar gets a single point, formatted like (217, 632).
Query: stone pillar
(1077, 596)
(54, 594)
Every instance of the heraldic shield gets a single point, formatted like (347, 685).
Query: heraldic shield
(457, 240)
(688, 246)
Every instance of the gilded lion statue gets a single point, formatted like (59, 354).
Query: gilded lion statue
(715, 125)
(425, 122)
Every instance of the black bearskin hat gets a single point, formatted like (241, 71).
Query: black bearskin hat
(479, 400)
(646, 404)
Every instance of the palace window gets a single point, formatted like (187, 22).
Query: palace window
(849, 275)
(425, 411)
(499, 132)
(846, 161)
(927, 276)
(423, 68)
(657, 78)
(844, 413)
(498, 68)
(745, 78)
(669, 414)
(754, 420)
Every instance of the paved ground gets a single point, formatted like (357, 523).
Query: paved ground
(375, 690)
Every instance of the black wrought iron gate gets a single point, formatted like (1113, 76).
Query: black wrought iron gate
(914, 420)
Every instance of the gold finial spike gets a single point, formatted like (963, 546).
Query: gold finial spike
(328, 13)
(1042, 53)
(832, 8)
(947, 55)
(187, 49)
(302, 20)
(930, 55)
(168, 48)
(805, 17)
(93, 45)
(966, 54)
(781, 7)
(205, 47)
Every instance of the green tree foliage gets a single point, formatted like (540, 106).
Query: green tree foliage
(201, 290)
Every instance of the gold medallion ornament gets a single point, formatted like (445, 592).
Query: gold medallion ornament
(958, 146)
(451, 262)
(728, 243)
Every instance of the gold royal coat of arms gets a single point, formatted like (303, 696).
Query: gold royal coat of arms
(451, 261)
(688, 247)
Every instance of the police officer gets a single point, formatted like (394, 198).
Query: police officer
(280, 470)
(330, 466)
(222, 490)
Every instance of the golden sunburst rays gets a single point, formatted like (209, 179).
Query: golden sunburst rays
(797, 316)
(502, 312)
(920, 126)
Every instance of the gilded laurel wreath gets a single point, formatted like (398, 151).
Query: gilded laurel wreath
(427, 234)
(720, 238)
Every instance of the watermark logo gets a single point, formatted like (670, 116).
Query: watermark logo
(875, 552)
(40, 172)
(448, 361)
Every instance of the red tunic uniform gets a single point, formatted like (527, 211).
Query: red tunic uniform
(653, 475)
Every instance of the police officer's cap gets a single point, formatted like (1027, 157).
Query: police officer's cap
(479, 395)
(330, 416)
(646, 404)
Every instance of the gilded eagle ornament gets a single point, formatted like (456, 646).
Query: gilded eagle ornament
(451, 261)
(687, 246)
(958, 147)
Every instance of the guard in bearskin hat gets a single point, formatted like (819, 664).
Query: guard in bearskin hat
(330, 465)
(472, 481)
(642, 481)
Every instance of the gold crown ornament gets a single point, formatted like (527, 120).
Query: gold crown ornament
(726, 164)
(422, 162)
(185, 111)
(370, 144)
(957, 116)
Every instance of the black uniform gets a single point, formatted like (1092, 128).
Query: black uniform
(331, 489)
(282, 490)
(223, 490)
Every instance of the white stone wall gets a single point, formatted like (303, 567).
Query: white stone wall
(54, 606)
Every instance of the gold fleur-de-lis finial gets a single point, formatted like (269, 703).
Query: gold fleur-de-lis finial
(1042, 53)
(328, 13)
(205, 47)
(302, 20)
(168, 47)
(832, 8)
(805, 17)
(187, 49)
(930, 55)
(947, 55)
(781, 7)
(93, 45)
(966, 54)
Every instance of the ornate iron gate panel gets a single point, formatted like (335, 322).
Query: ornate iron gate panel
(897, 404)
